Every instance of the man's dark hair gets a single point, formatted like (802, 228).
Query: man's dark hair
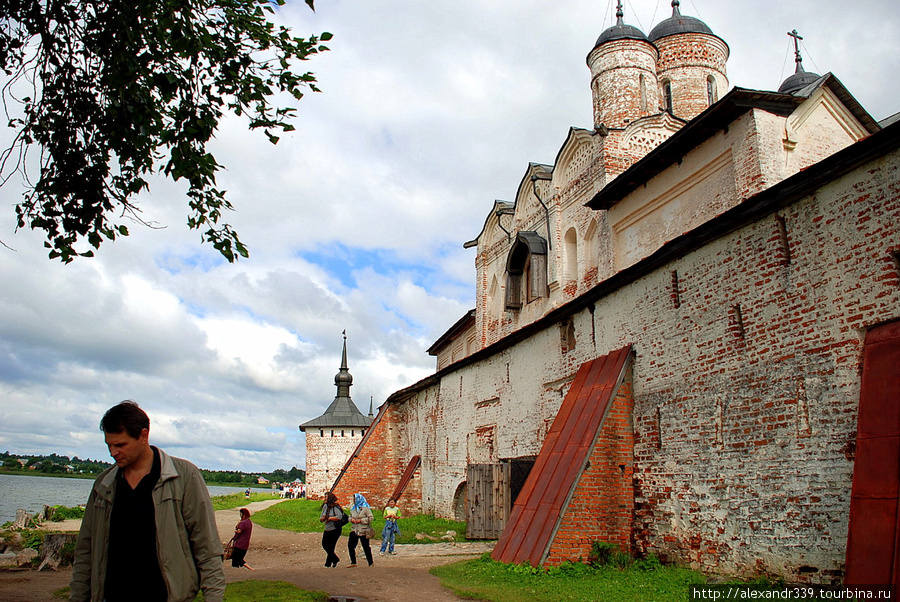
(127, 416)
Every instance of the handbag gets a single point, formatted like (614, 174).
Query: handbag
(229, 550)
(370, 532)
(344, 520)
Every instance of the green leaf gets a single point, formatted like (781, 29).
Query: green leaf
(128, 90)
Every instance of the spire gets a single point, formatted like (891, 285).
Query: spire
(620, 14)
(342, 412)
(342, 380)
(676, 12)
(371, 402)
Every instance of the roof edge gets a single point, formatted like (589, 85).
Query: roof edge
(749, 211)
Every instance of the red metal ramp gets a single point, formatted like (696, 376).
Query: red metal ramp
(540, 506)
(407, 477)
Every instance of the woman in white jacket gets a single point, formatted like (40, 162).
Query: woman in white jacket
(361, 518)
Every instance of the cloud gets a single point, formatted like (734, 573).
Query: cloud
(429, 112)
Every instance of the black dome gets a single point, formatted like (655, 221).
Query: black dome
(797, 82)
(621, 31)
(678, 23)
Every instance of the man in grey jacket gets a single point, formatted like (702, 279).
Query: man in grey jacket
(149, 529)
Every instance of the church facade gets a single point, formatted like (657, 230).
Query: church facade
(685, 339)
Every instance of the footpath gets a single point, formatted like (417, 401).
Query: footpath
(295, 558)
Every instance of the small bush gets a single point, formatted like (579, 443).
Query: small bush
(608, 554)
(61, 513)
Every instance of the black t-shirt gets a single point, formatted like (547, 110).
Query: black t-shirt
(132, 566)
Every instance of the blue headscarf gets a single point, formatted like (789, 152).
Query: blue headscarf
(359, 502)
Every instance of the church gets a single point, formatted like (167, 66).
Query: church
(686, 335)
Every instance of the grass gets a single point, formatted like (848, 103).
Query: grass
(485, 579)
(302, 516)
(269, 591)
(239, 500)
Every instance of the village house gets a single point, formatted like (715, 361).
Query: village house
(686, 337)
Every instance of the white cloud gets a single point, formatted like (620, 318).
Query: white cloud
(429, 112)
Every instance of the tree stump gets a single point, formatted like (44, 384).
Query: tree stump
(22, 519)
(53, 551)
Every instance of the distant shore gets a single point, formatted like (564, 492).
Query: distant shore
(70, 475)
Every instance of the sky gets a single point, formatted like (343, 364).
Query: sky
(429, 112)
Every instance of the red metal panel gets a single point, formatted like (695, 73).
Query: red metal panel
(878, 416)
(540, 504)
(872, 541)
(871, 562)
(876, 473)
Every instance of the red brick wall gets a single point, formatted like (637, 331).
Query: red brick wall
(376, 471)
(601, 508)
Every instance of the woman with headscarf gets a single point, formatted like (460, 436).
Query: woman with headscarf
(331, 516)
(242, 540)
(360, 522)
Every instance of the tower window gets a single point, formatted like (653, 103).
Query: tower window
(526, 270)
(667, 96)
(711, 93)
(643, 92)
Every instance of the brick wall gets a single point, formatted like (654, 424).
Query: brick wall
(601, 507)
(745, 389)
(687, 60)
(326, 455)
(377, 469)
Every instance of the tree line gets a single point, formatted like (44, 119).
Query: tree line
(57, 464)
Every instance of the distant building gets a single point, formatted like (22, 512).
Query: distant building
(332, 437)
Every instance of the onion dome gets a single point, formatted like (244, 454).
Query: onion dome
(678, 23)
(800, 78)
(620, 31)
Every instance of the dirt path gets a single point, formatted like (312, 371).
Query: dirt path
(296, 558)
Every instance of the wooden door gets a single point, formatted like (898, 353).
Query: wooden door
(873, 553)
(489, 504)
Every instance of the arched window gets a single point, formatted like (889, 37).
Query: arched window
(571, 258)
(668, 105)
(526, 270)
(711, 93)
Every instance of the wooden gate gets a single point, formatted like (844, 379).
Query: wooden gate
(873, 554)
(489, 503)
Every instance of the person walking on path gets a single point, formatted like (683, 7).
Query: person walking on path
(361, 518)
(242, 540)
(134, 542)
(391, 529)
(331, 516)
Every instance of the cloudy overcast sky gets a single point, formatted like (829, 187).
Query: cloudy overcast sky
(430, 111)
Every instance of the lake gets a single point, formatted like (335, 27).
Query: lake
(32, 493)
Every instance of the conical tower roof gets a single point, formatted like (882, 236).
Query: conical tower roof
(342, 412)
